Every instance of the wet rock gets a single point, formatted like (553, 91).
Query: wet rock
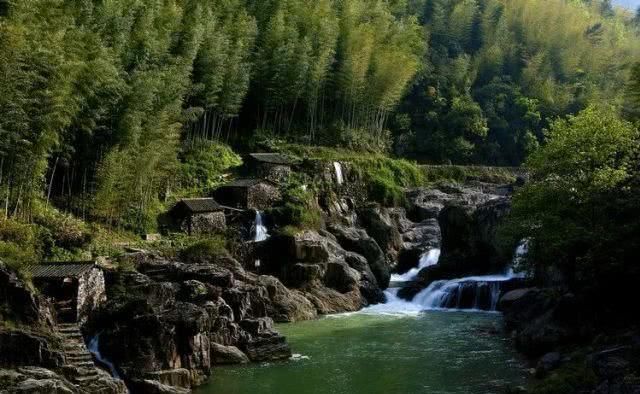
(286, 305)
(268, 348)
(179, 377)
(328, 301)
(221, 354)
(149, 386)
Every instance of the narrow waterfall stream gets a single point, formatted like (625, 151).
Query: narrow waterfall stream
(94, 348)
(338, 167)
(260, 230)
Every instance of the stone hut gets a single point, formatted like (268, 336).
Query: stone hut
(76, 289)
(273, 166)
(199, 216)
(255, 194)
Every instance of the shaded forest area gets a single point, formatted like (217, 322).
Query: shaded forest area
(109, 109)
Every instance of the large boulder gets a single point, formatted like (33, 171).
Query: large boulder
(542, 320)
(358, 241)
(221, 354)
(286, 305)
(380, 226)
(267, 348)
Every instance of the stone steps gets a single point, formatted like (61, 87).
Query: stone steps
(78, 358)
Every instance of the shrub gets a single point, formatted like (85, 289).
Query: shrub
(204, 164)
(204, 250)
(64, 230)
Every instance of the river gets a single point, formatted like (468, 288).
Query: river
(434, 352)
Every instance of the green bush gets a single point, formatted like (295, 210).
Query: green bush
(64, 230)
(204, 164)
(204, 250)
(299, 209)
(17, 256)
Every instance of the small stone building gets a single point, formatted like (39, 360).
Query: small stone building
(272, 166)
(76, 289)
(199, 216)
(255, 194)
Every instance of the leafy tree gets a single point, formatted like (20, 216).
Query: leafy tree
(575, 210)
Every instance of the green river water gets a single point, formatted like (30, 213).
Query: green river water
(431, 352)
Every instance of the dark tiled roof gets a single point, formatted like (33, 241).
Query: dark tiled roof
(246, 182)
(273, 158)
(201, 204)
(60, 270)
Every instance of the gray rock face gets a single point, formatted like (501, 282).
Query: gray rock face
(358, 241)
(22, 348)
(286, 305)
(17, 302)
(380, 226)
(91, 293)
(221, 354)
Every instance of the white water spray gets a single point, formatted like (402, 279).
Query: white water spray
(426, 260)
(338, 168)
(94, 348)
(261, 233)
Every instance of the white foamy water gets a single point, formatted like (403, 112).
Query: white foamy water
(427, 259)
(261, 232)
(338, 167)
(472, 293)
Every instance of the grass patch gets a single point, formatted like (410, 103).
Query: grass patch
(204, 250)
(463, 174)
(385, 178)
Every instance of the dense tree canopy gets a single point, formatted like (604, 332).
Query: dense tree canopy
(102, 104)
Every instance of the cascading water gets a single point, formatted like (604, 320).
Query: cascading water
(427, 259)
(94, 348)
(474, 293)
(471, 293)
(338, 167)
(261, 233)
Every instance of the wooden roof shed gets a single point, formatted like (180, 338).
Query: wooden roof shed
(249, 193)
(75, 288)
(199, 215)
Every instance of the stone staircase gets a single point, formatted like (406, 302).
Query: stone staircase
(79, 360)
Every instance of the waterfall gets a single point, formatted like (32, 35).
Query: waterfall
(427, 259)
(338, 168)
(470, 293)
(94, 348)
(518, 258)
(473, 293)
(261, 233)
